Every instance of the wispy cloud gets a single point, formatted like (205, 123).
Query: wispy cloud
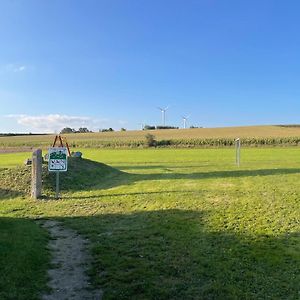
(20, 69)
(15, 68)
(55, 122)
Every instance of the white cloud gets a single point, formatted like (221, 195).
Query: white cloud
(55, 122)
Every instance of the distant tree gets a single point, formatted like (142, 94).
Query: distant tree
(149, 127)
(123, 129)
(83, 130)
(166, 127)
(67, 130)
(107, 130)
(150, 140)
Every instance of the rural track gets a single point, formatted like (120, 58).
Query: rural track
(70, 261)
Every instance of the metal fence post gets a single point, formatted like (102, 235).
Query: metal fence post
(238, 152)
(57, 185)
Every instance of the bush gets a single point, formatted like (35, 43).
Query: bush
(166, 127)
(67, 130)
(107, 130)
(150, 140)
(83, 130)
(164, 143)
(149, 127)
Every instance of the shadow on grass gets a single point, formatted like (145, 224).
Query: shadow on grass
(84, 174)
(93, 196)
(164, 254)
(220, 174)
(15, 182)
(167, 254)
(176, 165)
(8, 193)
(172, 254)
(23, 259)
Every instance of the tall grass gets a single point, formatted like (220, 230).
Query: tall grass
(190, 143)
(253, 136)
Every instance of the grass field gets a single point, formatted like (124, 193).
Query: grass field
(164, 223)
(136, 138)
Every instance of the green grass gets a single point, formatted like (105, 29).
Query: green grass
(9, 160)
(178, 224)
(23, 259)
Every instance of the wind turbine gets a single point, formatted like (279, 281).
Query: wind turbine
(184, 121)
(163, 114)
(142, 125)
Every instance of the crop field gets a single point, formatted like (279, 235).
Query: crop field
(251, 135)
(163, 223)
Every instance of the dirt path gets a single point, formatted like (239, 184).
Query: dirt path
(68, 278)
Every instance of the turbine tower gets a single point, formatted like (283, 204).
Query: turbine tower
(184, 121)
(163, 114)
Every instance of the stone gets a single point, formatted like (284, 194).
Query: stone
(77, 154)
(28, 162)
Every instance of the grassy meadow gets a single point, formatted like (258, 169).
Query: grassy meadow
(163, 223)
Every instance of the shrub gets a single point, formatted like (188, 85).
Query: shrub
(107, 130)
(67, 130)
(166, 127)
(149, 127)
(150, 140)
(164, 143)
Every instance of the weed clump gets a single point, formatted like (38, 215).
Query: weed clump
(150, 140)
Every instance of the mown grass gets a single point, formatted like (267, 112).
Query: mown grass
(24, 258)
(9, 160)
(181, 224)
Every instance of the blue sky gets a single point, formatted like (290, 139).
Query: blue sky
(111, 63)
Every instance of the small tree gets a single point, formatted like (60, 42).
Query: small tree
(83, 130)
(149, 127)
(67, 130)
(123, 129)
(107, 130)
(150, 140)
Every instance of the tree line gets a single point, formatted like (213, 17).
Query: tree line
(86, 130)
